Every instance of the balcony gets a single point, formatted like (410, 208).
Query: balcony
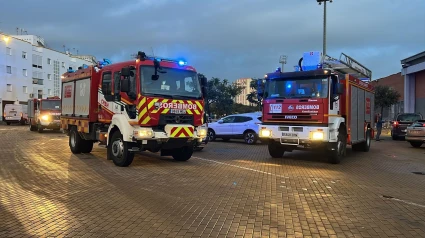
(37, 81)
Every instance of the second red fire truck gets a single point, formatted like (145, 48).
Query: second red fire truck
(326, 104)
(150, 103)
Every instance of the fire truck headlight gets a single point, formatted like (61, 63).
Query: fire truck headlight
(143, 133)
(265, 133)
(202, 132)
(45, 117)
(318, 135)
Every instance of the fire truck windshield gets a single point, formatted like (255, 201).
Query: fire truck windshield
(175, 83)
(50, 105)
(297, 88)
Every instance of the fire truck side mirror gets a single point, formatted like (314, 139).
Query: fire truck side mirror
(125, 72)
(204, 85)
(125, 85)
(260, 90)
(339, 89)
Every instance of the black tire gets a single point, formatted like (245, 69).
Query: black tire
(32, 128)
(365, 146)
(39, 128)
(416, 144)
(211, 135)
(118, 150)
(183, 154)
(275, 150)
(75, 141)
(87, 146)
(250, 137)
(336, 155)
(8, 123)
(394, 137)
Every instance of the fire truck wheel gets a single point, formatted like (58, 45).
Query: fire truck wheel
(366, 144)
(75, 141)
(39, 128)
(87, 146)
(183, 154)
(275, 150)
(340, 149)
(32, 128)
(118, 150)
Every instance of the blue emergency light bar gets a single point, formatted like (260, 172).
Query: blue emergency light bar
(142, 56)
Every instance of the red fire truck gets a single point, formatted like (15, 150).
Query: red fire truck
(326, 104)
(44, 114)
(150, 103)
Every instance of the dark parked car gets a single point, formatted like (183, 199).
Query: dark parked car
(401, 122)
(416, 133)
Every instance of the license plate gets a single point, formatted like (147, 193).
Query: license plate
(284, 134)
(177, 111)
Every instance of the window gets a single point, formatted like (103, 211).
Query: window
(49, 91)
(49, 61)
(63, 64)
(25, 72)
(49, 76)
(9, 69)
(24, 55)
(25, 89)
(107, 83)
(8, 51)
(241, 119)
(37, 61)
(230, 119)
(117, 82)
(9, 87)
(409, 117)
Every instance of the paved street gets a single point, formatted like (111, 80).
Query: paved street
(229, 189)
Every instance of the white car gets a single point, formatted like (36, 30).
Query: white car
(238, 126)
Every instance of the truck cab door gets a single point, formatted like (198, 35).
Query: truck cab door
(335, 96)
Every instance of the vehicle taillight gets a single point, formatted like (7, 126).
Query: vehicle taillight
(395, 123)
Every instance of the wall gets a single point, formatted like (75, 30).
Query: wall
(420, 92)
(34, 70)
(395, 81)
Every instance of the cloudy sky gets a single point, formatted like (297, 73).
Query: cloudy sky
(226, 38)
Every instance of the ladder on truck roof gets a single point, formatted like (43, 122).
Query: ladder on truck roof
(347, 65)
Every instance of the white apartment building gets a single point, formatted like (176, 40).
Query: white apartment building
(241, 98)
(30, 70)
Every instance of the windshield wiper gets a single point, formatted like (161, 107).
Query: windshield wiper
(302, 96)
(184, 96)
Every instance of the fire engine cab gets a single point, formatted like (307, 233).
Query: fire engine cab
(325, 104)
(44, 113)
(150, 103)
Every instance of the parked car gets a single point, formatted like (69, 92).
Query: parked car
(237, 126)
(401, 122)
(200, 145)
(416, 133)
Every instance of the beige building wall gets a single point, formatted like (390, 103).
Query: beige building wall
(241, 98)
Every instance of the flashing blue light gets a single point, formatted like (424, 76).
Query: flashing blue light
(181, 62)
(319, 66)
(85, 66)
(288, 86)
(278, 69)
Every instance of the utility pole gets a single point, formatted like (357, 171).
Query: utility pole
(282, 60)
(324, 23)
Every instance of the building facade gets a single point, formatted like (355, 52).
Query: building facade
(413, 71)
(396, 82)
(30, 70)
(245, 83)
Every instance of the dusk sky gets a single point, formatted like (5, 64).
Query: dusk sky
(227, 39)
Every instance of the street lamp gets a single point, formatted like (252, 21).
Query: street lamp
(282, 60)
(324, 23)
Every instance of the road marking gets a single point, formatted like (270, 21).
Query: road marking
(240, 167)
(403, 201)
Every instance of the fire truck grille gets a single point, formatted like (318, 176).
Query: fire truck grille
(175, 119)
(287, 117)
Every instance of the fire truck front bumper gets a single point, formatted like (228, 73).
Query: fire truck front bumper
(295, 135)
(170, 132)
(55, 124)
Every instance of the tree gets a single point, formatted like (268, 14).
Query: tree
(220, 96)
(385, 97)
(252, 96)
